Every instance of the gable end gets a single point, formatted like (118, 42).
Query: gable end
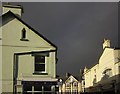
(11, 14)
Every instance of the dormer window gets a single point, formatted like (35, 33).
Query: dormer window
(23, 35)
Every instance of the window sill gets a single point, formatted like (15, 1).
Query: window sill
(24, 39)
(39, 73)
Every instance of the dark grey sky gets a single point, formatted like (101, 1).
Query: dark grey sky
(78, 29)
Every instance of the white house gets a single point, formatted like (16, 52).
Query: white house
(104, 76)
(28, 58)
(69, 84)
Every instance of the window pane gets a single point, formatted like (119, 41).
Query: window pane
(67, 85)
(39, 67)
(39, 59)
(39, 63)
(75, 84)
(27, 88)
(37, 88)
(47, 88)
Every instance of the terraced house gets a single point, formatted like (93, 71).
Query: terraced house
(28, 58)
(105, 75)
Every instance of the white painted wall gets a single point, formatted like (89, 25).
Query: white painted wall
(11, 33)
(108, 60)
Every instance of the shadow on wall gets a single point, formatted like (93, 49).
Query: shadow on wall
(107, 85)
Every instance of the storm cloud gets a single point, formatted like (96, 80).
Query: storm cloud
(78, 30)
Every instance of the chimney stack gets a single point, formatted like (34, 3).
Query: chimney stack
(16, 9)
(106, 43)
(67, 75)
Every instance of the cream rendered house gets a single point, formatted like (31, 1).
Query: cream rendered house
(28, 58)
(104, 76)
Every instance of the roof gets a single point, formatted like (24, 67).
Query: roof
(9, 13)
(64, 78)
(69, 79)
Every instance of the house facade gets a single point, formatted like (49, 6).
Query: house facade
(69, 85)
(104, 76)
(28, 58)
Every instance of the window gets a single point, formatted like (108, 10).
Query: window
(95, 70)
(94, 80)
(107, 73)
(23, 35)
(27, 88)
(39, 63)
(38, 88)
(75, 84)
(67, 84)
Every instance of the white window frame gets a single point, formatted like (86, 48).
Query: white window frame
(44, 63)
